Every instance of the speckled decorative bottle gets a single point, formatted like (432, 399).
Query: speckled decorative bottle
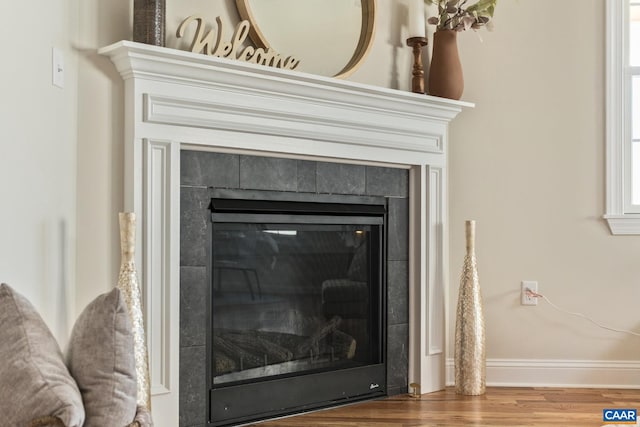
(149, 21)
(470, 356)
(130, 289)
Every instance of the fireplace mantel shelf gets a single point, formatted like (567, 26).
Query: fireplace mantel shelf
(176, 99)
(137, 60)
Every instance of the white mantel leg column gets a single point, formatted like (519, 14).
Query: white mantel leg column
(155, 193)
(427, 264)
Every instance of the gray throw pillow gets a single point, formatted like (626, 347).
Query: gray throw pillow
(34, 381)
(101, 358)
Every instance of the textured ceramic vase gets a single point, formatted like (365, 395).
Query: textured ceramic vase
(445, 72)
(470, 357)
(149, 21)
(130, 289)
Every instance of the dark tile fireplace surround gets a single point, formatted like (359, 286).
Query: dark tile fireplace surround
(202, 172)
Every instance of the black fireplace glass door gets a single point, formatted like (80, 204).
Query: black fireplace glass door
(294, 298)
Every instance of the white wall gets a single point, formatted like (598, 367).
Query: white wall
(527, 163)
(38, 140)
(100, 146)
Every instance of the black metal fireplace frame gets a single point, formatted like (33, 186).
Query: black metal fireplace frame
(243, 402)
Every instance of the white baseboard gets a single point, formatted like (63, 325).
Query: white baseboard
(558, 373)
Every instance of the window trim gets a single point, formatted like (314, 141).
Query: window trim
(618, 123)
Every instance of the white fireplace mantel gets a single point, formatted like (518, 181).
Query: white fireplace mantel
(176, 99)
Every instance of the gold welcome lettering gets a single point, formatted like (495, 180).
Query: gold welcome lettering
(213, 44)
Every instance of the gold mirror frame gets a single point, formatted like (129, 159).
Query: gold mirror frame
(363, 47)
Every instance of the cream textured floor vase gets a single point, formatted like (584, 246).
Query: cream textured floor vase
(470, 357)
(130, 289)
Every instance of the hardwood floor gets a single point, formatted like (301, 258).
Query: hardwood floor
(498, 407)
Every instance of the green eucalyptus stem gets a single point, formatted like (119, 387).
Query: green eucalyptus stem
(456, 15)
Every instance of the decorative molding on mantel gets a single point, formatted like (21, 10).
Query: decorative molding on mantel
(267, 118)
(284, 103)
(171, 65)
(176, 99)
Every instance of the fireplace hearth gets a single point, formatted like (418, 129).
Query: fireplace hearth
(284, 287)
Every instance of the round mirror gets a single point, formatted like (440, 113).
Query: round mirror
(329, 37)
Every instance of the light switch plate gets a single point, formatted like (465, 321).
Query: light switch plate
(57, 67)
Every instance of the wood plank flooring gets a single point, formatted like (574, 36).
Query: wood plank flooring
(498, 407)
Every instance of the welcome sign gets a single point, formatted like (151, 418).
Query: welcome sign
(214, 44)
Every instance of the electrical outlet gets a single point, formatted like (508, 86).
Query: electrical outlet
(526, 299)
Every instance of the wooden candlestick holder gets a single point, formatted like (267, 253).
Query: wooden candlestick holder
(417, 82)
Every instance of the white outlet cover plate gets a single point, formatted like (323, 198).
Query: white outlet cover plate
(526, 299)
